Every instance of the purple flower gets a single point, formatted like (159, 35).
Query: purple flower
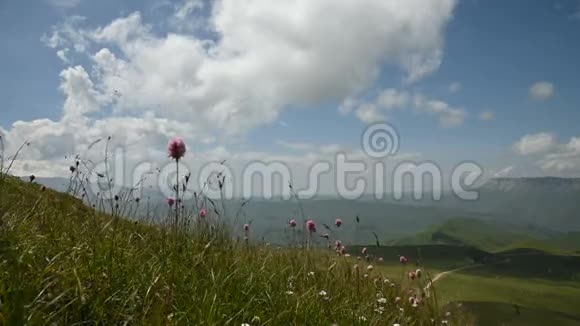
(311, 226)
(170, 201)
(176, 148)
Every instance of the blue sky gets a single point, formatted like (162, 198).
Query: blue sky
(498, 80)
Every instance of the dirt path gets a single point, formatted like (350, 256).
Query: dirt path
(445, 273)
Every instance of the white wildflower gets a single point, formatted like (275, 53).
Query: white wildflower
(382, 301)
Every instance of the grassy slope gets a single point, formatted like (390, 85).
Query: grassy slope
(433, 257)
(492, 299)
(491, 238)
(545, 287)
(569, 241)
(470, 232)
(61, 263)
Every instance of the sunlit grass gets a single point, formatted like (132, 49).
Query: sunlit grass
(65, 263)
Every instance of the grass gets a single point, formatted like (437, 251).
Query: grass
(64, 263)
(468, 232)
(488, 237)
(518, 287)
(513, 301)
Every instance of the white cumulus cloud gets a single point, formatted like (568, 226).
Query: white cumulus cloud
(391, 99)
(142, 87)
(542, 90)
(535, 143)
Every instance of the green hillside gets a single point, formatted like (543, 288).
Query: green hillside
(569, 241)
(465, 232)
(63, 263)
(491, 238)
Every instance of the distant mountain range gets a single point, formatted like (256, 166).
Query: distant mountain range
(542, 206)
(546, 202)
(527, 185)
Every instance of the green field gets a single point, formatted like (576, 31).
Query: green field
(63, 263)
(517, 287)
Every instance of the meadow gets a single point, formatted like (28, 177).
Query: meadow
(64, 262)
(71, 259)
(515, 287)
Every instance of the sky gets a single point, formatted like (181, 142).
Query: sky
(490, 82)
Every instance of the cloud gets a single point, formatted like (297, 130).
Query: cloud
(264, 59)
(486, 116)
(564, 157)
(369, 113)
(535, 143)
(260, 57)
(561, 159)
(392, 99)
(187, 16)
(348, 105)
(542, 90)
(454, 87)
(62, 55)
(449, 116)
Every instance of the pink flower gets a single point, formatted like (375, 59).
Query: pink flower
(202, 213)
(338, 222)
(292, 223)
(311, 225)
(170, 201)
(176, 148)
(412, 275)
(337, 244)
(364, 250)
(403, 259)
(246, 227)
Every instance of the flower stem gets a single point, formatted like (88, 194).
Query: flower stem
(177, 194)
